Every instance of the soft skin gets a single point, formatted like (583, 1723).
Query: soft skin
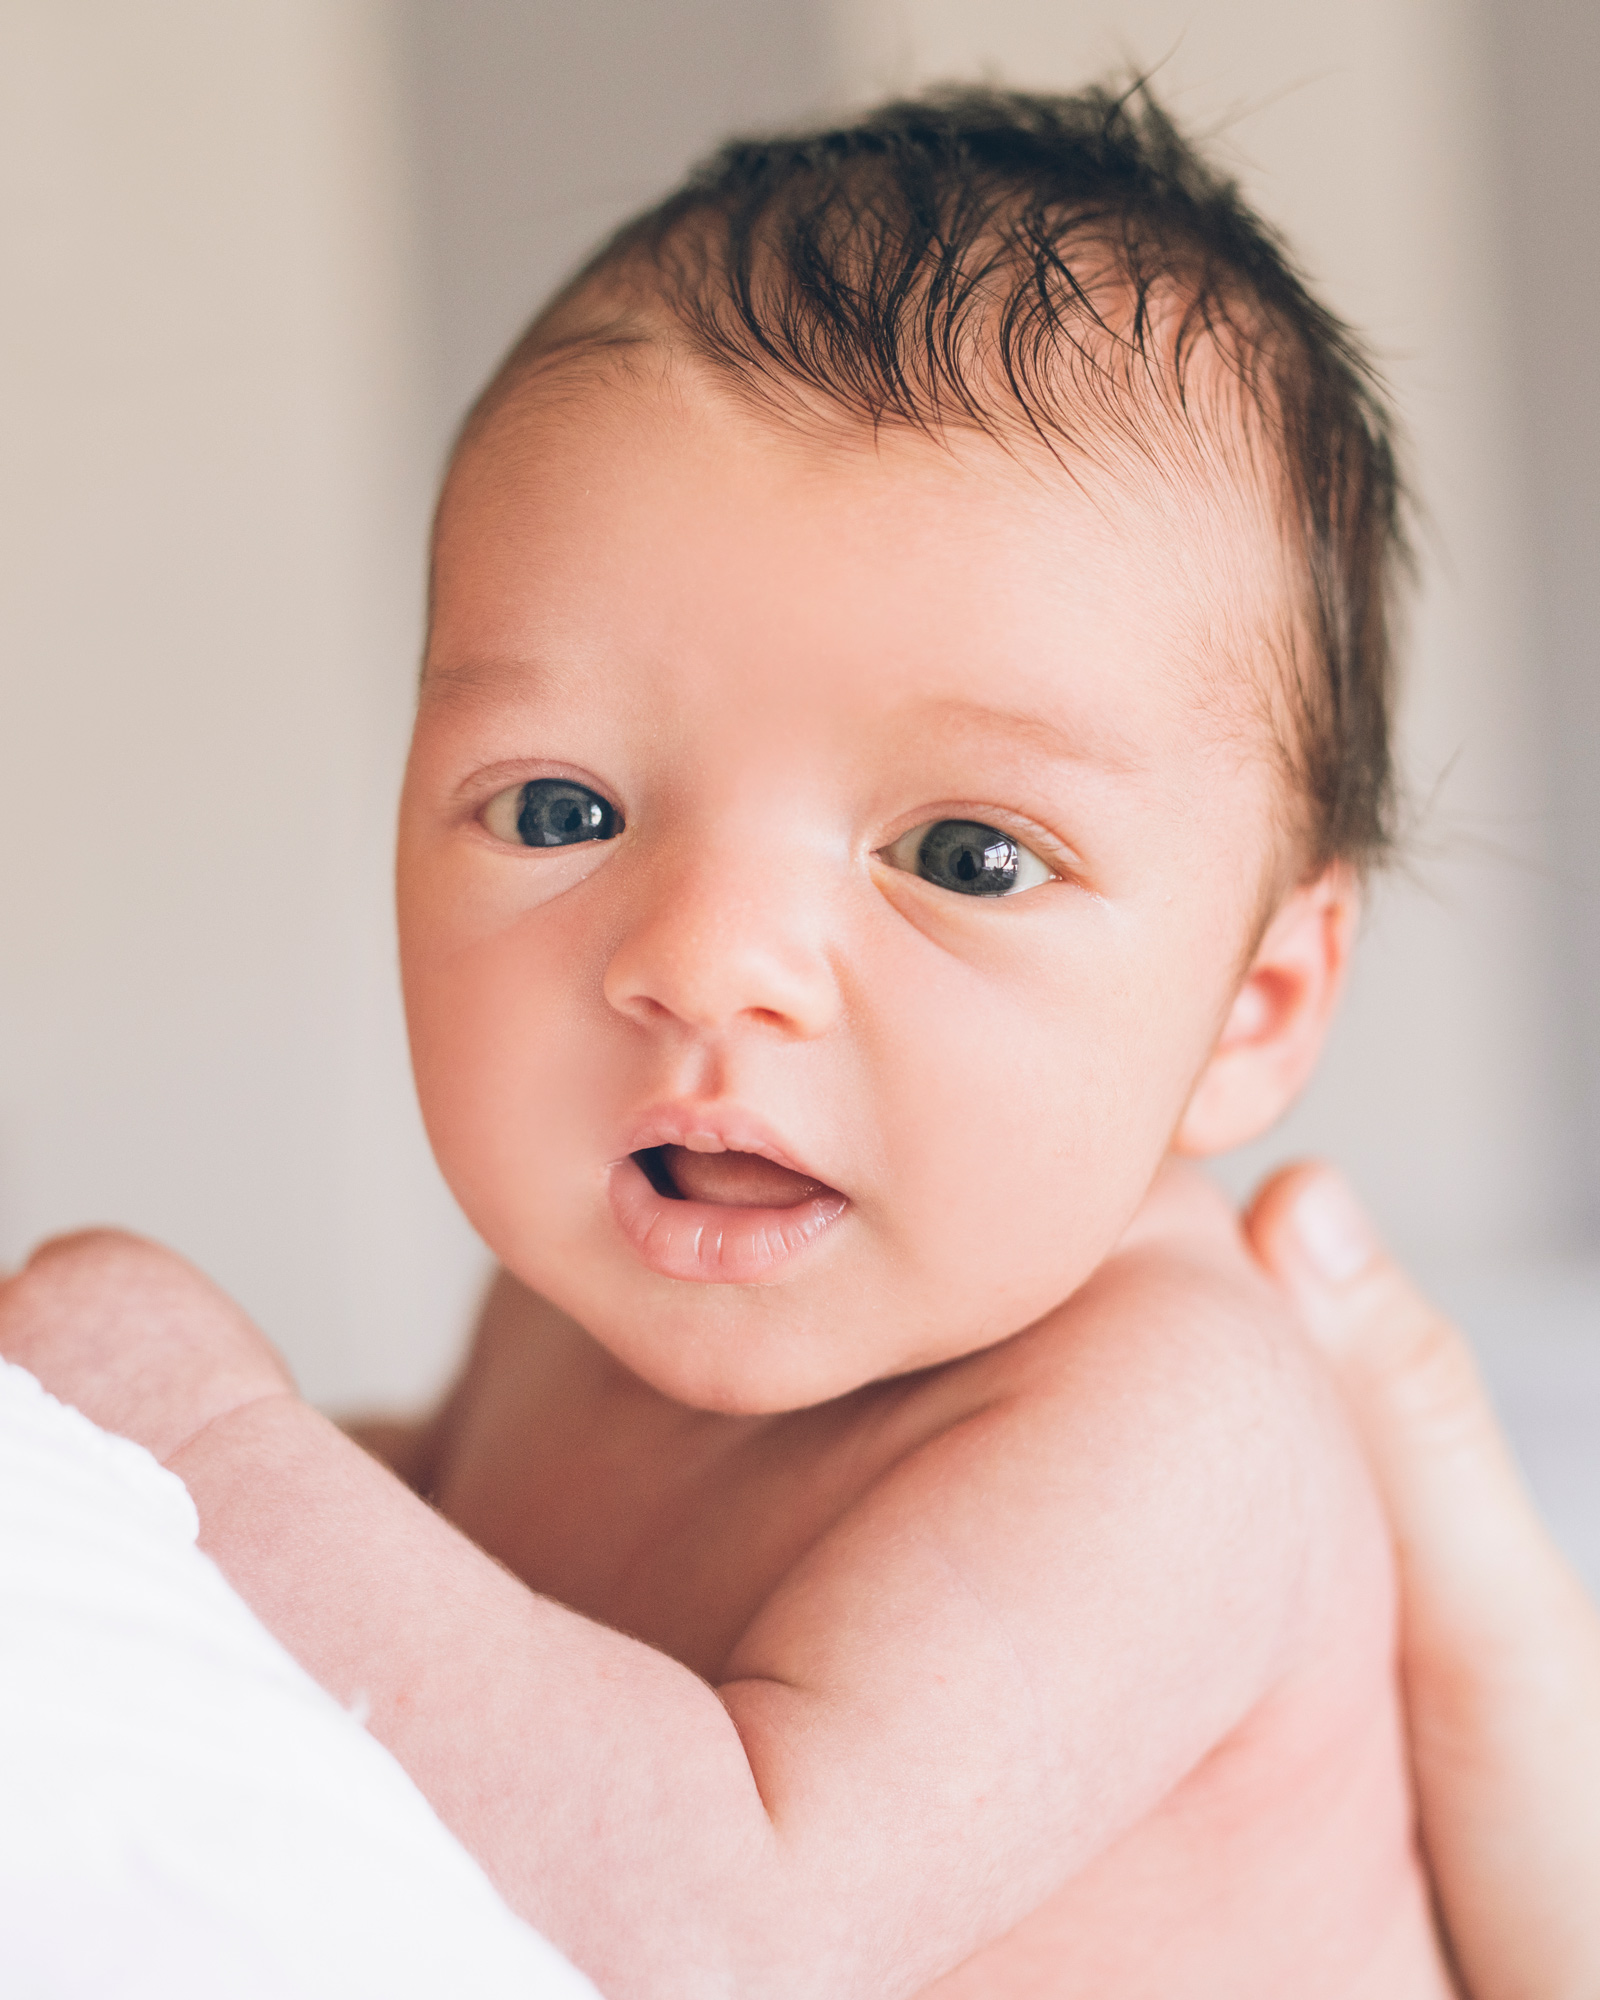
(979, 1593)
(775, 657)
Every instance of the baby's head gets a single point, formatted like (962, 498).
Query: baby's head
(905, 718)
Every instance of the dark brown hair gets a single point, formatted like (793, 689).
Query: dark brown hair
(1074, 266)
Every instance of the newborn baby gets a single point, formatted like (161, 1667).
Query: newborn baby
(903, 723)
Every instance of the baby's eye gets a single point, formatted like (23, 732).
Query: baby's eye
(968, 857)
(551, 812)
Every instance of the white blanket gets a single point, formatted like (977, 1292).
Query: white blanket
(183, 1811)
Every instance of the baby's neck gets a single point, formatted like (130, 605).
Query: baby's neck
(672, 1523)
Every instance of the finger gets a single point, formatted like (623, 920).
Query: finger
(1500, 1646)
(1446, 1473)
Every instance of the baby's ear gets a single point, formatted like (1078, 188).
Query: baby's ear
(1275, 1029)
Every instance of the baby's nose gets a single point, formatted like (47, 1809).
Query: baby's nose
(720, 942)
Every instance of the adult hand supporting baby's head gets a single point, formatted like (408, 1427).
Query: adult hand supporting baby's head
(135, 1338)
(1500, 1646)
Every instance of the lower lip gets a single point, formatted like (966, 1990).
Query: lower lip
(710, 1242)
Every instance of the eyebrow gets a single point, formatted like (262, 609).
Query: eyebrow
(474, 683)
(478, 682)
(1101, 748)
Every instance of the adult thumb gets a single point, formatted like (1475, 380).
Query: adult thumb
(1451, 1487)
(1499, 1645)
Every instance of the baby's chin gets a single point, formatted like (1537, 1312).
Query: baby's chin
(847, 1312)
(752, 1350)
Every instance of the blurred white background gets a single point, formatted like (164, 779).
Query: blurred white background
(256, 259)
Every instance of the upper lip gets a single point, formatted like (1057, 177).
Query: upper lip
(717, 1128)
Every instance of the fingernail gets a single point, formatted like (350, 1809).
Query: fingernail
(1333, 1229)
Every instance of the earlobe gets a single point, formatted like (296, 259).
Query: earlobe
(1279, 1019)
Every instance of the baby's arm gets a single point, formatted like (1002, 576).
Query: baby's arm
(1010, 1650)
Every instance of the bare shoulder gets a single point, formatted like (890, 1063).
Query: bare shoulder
(1105, 1556)
(1179, 1364)
(1182, 1296)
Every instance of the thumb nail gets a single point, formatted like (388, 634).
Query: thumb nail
(1333, 1229)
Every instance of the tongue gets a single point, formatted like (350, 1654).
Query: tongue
(736, 1180)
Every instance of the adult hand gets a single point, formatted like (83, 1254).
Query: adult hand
(1500, 1646)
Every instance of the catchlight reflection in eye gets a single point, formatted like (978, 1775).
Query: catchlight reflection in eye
(968, 858)
(551, 812)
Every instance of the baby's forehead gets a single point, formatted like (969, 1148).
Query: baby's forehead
(635, 550)
(1185, 543)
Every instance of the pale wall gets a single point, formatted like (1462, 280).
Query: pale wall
(537, 126)
(1545, 139)
(213, 491)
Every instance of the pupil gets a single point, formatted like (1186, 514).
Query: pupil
(553, 812)
(971, 859)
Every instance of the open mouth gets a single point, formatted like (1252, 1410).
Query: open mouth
(724, 1217)
(730, 1180)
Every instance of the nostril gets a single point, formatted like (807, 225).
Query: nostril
(643, 1007)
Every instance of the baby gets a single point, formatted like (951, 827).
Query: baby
(903, 723)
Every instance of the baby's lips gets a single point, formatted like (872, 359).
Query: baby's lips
(709, 1243)
(709, 1129)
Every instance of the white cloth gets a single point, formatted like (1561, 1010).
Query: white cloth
(183, 1811)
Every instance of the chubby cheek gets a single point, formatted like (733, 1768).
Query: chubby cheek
(515, 1066)
(1025, 1123)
